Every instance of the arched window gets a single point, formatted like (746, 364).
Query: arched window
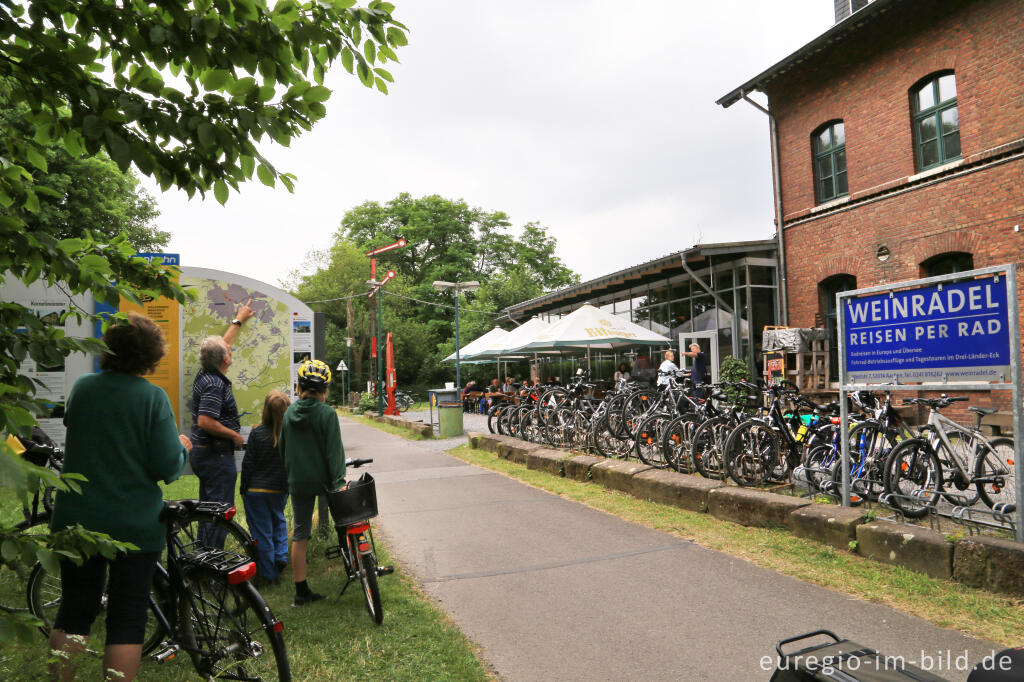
(936, 120)
(829, 144)
(827, 289)
(947, 264)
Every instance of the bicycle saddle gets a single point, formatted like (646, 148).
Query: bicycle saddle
(983, 410)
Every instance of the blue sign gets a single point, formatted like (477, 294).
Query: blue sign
(944, 332)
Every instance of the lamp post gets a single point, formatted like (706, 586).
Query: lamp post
(457, 288)
(348, 375)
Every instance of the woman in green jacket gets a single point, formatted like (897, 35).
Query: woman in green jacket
(123, 437)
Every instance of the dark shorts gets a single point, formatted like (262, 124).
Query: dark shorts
(82, 587)
(302, 516)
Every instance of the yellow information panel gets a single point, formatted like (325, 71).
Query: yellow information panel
(167, 315)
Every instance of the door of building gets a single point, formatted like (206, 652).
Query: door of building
(708, 343)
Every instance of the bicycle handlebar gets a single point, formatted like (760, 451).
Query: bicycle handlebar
(356, 463)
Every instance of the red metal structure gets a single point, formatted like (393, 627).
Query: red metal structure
(391, 377)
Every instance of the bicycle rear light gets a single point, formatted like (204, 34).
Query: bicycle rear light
(278, 626)
(229, 514)
(364, 546)
(242, 573)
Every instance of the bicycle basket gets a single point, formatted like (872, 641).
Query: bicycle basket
(357, 502)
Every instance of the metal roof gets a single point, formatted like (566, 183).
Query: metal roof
(637, 274)
(837, 33)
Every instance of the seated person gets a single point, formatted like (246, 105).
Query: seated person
(467, 400)
(509, 386)
(492, 389)
(622, 372)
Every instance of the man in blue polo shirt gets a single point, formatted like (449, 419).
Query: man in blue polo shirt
(215, 424)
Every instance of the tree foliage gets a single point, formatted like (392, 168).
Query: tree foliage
(180, 90)
(447, 240)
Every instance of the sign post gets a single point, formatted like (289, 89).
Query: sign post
(958, 331)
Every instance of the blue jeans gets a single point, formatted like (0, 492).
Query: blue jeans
(217, 475)
(264, 512)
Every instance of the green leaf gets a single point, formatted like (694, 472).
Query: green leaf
(266, 175)
(49, 560)
(35, 158)
(157, 34)
(31, 201)
(347, 59)
(317, 93)
(9, 551)
(73, 143)
(265, 93)
(386, 75)
(370, 51)
(207, 135)
(242, 87)
(220, 191)
(120, 150)
(215, 79)
(248, 165)
(93, 127)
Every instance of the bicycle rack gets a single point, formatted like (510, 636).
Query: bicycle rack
(1000, 517)
(891, 502)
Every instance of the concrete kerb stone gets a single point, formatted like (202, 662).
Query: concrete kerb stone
(473, 438)
(489, 442)
(919, 549)
(578, 467)
(673, 488)
(827, 523)
(617, 474)
(515, 450)
(545, 459)
(990, 563)
(749, 507)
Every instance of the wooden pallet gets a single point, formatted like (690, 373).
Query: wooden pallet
(808, 370)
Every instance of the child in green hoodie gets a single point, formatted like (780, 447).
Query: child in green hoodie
(314, 458)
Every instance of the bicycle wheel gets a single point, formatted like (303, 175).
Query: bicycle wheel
(676, 443)
(229, 631)
(916, 477)
(494, 416)
(707, 445)
(752, 451)
(608, 444)
(613, 414)
(648, 440)
(14, 574)
(44, 593)
(994, 473)
(634, 409)
(366, 565)
(821, 460)
(962, 451)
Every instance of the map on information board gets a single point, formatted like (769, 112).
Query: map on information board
(267, 346)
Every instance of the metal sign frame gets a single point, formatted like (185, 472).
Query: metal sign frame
(1013, 324)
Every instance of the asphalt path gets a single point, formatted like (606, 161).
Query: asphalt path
(551, 589)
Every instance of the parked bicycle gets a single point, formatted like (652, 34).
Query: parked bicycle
(202, 603)
(352, 507)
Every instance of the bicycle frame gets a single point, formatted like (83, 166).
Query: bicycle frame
(941, 423)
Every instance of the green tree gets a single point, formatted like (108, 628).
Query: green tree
(448, 240)
(180, 90)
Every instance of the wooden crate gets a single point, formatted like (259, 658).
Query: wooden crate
(808, 370)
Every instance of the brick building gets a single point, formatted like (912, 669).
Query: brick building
(898, 147)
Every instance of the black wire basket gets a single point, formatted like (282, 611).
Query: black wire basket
(357, 502)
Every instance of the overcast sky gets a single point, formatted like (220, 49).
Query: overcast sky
(596, 119)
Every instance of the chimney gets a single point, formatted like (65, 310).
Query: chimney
(845, 8)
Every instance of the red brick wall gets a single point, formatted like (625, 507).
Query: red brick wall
(865, 81)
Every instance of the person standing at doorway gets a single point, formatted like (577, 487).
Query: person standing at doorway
(699, 373)
(667, 366)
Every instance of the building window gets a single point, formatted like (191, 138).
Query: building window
(947, 264)
(829, 144)
(936, 121)
(828, 289)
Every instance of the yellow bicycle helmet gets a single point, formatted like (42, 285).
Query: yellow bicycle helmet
(314, 375)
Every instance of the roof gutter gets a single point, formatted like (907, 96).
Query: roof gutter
(777, 190)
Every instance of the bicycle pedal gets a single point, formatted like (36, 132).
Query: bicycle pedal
(385, 570)
(166, 654)
(332, 552)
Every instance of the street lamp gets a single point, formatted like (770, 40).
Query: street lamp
(457, 288)
(348, 375)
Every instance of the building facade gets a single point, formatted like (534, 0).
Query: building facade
(718, 295)
(898, 147)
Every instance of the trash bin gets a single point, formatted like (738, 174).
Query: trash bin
(450, 417)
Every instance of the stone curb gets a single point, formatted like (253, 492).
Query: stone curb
(617, 474)
(990, 563)
(578, 467)
(749, 507)
(544, 459)
(919, 549)
(417, 426)
(516, 451)
(673, 488)
(827, 523)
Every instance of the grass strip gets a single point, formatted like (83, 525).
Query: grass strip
(329, 640)
(944, 603)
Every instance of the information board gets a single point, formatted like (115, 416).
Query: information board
(945, 332)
